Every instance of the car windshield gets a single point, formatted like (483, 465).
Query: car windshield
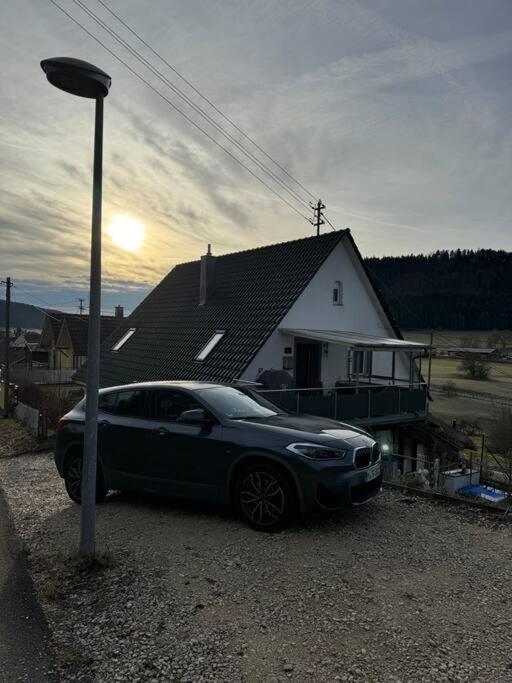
(236, 405)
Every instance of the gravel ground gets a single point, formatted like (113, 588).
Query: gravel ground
(14, 439)
(400, 590)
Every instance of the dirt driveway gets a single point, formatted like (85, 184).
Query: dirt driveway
(401, 590)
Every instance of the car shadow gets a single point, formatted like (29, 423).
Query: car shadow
(163, 504)
(166, 503)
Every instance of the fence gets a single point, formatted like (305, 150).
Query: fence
(432, 475)
(22, 376)
(33, 419)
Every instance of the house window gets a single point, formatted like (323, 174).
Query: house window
(206, 350)
(121, 342)
(287, 362)
(362, 362)
(337, 293)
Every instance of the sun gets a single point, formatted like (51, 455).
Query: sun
(127, 233)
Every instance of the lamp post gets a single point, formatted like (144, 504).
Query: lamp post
(86, 80)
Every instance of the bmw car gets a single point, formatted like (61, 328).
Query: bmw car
(221, 444)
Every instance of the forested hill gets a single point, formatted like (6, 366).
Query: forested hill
(455, 290)
(22, 315)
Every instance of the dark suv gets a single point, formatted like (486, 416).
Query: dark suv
(221, 444)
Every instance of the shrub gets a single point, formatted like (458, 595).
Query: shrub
(475, 368)
(449, 389)
(53, 401)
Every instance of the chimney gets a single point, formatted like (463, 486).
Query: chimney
(207, 277)
(119, 312)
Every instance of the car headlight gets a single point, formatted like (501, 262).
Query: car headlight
(317, 451)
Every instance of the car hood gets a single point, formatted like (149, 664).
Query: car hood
(310, 426)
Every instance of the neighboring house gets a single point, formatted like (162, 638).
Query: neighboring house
(17, 357)
(28, 343)
(51, 328)
(301, 318)
(25, 339)
(71, 343)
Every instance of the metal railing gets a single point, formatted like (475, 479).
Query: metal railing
(348, 402)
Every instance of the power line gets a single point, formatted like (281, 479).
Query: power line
(206, 99)
(329, 222)
(188, 101)
(83, 318)
(47, 303)
(171, 104)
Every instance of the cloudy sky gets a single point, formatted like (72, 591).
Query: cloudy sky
(397, 113)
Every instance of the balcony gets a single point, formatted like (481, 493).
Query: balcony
(373, 404)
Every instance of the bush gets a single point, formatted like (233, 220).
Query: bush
(449, 389)
(475, 368)
(54, 402)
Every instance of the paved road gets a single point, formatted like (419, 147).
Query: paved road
(26, 653)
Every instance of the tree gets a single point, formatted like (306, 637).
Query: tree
(475, 367)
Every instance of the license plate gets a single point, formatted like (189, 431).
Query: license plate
(372, 472)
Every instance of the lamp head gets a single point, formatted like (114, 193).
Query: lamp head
(76, 77)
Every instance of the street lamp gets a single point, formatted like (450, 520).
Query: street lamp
(86, 80)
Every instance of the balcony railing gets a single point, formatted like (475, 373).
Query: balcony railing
(373, 403)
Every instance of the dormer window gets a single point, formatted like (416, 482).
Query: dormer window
(122, 341)
(337, 293)
(206, 350)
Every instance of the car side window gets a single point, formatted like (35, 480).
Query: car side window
(131, 403)
(169, 405)
(107, 402)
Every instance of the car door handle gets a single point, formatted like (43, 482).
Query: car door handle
(162, 431)
(104, 423)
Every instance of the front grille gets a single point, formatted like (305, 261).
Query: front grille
(363, 457)
(375, 452)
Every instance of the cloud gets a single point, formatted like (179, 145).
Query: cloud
(398, 118)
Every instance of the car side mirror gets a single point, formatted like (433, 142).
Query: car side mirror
(196, 416)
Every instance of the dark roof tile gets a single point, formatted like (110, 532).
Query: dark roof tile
(254, 289)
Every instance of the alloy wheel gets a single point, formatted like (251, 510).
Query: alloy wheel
(262, 498)
(74, 478)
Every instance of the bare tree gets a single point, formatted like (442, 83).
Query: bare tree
(475, 367)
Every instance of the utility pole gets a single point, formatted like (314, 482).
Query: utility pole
(81, 306)
(8, 285)
(318, 216)
(430, 359)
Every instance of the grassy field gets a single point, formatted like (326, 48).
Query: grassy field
(444, 338)
(444, 370)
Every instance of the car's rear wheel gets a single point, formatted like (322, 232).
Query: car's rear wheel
(265, 497)
(73, 478)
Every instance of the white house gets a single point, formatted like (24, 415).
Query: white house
(302, 320)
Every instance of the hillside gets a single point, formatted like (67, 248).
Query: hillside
(456, 290)
(22, 315)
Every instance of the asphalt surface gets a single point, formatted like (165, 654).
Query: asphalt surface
(26, 652)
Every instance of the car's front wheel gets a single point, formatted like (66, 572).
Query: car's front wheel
(265, 497)
(73, 478)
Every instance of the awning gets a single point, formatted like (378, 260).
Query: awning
(357, 340)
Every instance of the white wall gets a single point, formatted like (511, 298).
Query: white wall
(360, 312)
